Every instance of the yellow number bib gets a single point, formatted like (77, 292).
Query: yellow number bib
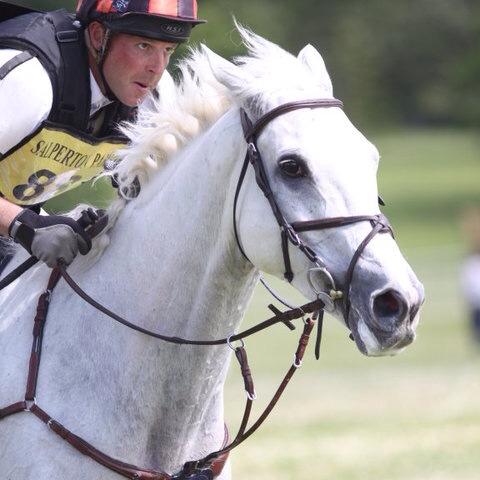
(51, 161)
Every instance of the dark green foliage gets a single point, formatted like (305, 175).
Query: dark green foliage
(410, 62)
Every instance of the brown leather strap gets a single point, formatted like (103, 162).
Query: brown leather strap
(242, 358)
(253, 130)
(319, 333)
(241, 437)
(281, 317)
(38, 326)
(124, 469)
(332, 222)
(11, 409)
(380, 224)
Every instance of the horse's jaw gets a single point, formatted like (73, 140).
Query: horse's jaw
(375, 342)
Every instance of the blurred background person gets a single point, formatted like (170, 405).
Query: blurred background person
(470, 270)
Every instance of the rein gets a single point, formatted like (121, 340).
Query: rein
(211, 466)
(279, 317)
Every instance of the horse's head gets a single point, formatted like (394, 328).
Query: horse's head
(319, 166)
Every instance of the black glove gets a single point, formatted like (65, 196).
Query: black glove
(49, 238)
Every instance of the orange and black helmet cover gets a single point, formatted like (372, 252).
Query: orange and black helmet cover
(169, 20)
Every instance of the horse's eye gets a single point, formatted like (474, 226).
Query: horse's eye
(291, 166)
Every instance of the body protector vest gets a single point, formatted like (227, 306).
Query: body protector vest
(61, 153)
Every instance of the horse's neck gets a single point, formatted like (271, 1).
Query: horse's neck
(179, 237)
(172, 267)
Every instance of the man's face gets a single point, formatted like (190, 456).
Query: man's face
(134, 65)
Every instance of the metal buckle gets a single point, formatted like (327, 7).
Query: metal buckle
(230, 344)
(327, 298)
(292, 235)
(193, 471)
(297, 363)
(29, 404)
(252, 152)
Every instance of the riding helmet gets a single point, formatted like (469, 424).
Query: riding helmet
(166, 20)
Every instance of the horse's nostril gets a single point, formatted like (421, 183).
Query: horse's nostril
(389, 308)
(386, 305)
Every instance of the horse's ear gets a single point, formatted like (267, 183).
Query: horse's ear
(232, 77)
(310, 57)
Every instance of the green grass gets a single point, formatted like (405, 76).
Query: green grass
(427, 178)
(411, 417)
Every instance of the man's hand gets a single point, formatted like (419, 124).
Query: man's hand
(49, 238)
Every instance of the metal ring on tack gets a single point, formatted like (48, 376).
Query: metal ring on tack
(297, 363)
(325, 297)
(29, 404)
(328, 303)
(230, 344)
(251, 397)
(304, 315)
(326, 273)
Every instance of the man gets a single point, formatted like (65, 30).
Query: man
(65, 83)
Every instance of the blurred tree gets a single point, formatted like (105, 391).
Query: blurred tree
(409, 62)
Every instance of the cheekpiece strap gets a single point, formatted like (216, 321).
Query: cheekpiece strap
(251, 130)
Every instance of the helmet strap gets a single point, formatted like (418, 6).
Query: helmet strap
(104, 46)
(101, 56)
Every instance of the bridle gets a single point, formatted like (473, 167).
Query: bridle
(211, 466)
(289, 231)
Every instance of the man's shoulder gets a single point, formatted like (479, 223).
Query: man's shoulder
(26, 98)
(10, 54)
(25, 74)
(7, 54)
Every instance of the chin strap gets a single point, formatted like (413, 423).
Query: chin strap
(100, 56)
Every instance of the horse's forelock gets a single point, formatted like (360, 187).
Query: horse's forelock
(274, 73)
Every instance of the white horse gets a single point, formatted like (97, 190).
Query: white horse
(173, 266)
